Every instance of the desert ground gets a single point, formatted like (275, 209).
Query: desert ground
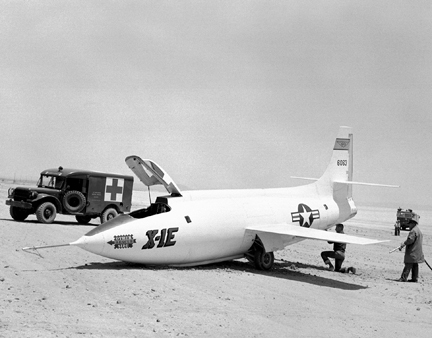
(69, 292)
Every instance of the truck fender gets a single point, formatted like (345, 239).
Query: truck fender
(42, 198)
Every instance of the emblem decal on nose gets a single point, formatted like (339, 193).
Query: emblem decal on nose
(123, 242)
(305, 215)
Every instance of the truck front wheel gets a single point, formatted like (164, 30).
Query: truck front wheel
(108, 214)
(46, 212)
(18, 214)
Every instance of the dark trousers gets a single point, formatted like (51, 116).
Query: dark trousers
(397, 231)
(407, 269)
(338, 256)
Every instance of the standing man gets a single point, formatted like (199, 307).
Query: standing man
(413, 252)
(397, 228)
(338, 254)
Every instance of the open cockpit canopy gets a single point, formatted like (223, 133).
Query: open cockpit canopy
(151, 174)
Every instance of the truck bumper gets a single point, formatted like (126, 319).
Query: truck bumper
(19, 204)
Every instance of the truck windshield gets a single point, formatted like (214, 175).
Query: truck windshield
(54, 182)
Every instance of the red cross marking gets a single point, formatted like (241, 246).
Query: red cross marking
(114, 189)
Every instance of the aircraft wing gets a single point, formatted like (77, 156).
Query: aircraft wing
(277, 236)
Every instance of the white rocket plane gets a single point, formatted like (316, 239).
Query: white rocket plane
(201, 227)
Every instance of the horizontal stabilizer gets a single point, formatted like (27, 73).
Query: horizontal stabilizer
(351, 182)
(272, 235)
(369, 184)
(305, 178)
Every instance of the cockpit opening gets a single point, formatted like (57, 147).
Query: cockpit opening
(153, 209)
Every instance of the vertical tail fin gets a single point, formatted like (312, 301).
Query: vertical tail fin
(337, 179)
(339, 173)
(340, 168)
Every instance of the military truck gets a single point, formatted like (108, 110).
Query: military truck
(404, 216)
(82, 193)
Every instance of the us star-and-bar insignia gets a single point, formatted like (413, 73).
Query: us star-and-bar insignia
(305, 215)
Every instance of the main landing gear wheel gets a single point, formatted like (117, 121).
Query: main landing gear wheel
(263, 260)
(259, 257)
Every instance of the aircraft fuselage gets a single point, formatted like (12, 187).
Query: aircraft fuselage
(206, 230)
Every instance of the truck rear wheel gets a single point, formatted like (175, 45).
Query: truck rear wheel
(18, 214)
(108, 214)
(46, 212)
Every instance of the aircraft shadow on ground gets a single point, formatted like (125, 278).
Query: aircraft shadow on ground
(286, 270)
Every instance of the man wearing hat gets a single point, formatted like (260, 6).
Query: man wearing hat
(338, 254)
(413, 252)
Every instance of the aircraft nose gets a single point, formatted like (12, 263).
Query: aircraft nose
(94, 244)
(95, 240)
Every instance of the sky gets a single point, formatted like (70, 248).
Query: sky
(221, 94)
